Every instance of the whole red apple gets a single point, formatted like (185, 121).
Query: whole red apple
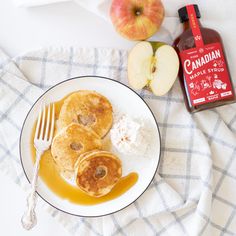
(137, 19)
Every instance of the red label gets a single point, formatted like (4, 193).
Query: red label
(197, 35)
(206, 74)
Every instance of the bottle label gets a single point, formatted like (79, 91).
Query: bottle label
(205, 69)
(194, 26)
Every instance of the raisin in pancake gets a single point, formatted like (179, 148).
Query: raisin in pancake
(70, 143)
(87, 108)
(97, 172)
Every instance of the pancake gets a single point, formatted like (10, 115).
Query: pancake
(70, 143)
(89, 109)
(97, 172)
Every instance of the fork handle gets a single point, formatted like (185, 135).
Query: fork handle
(29, 219)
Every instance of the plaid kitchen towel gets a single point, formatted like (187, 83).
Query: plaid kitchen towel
(194, 191)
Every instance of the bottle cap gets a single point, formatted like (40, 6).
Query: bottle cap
(183, 14)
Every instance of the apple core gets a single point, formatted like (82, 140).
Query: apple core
(138, 11)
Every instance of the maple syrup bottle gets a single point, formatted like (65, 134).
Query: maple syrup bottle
(204, 74)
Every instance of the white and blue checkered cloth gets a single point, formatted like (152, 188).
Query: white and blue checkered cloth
(194, 191)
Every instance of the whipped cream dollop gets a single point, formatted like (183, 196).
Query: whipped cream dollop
(128, 136)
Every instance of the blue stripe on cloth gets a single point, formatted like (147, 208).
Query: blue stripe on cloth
(158, 189)
(118, 227)
(8, 152)
(145, 219)
(15, 102)
(90, 227)
(189, 163)
(70, 62)
(230, 219)
(43, 69)
(76, 64)
(216, 226)
(120, 66)
(218, 185)
(10, 121)
(95, 66)
(164, 129)
(174, 222)
(16, 91)
(223, 171)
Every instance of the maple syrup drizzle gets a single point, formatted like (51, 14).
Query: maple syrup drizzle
(52, 178)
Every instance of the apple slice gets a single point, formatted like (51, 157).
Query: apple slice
(139, 65)
(153, 64)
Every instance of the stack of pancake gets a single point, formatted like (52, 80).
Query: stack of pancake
(85, 118)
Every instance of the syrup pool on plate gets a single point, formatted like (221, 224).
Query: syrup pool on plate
(57, 184)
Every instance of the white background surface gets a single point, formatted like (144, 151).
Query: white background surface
(64, 24)
(60, 24)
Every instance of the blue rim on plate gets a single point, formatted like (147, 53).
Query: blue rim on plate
(101, 77)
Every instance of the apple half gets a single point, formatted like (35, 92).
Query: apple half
(153, 64)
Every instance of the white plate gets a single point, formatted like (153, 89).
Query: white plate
(126, 101)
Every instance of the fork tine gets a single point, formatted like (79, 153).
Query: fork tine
(42, 124)
(47, 123)
(52, 123)
(38, 124)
